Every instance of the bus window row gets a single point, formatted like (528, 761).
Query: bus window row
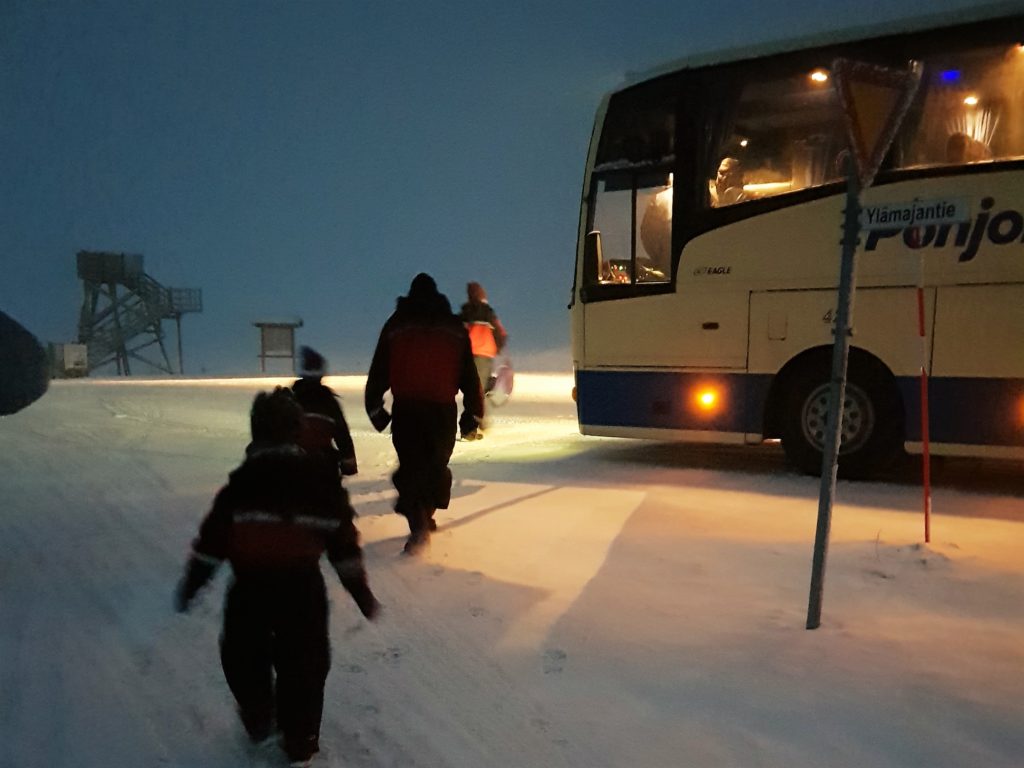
(765, 131)
(788, 133)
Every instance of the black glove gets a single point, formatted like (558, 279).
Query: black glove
(467, 423)
(197, 573)
(380, 418)
(369, 606)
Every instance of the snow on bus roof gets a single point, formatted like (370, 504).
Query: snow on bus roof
(908, 24)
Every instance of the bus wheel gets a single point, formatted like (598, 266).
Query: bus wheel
(871, 432)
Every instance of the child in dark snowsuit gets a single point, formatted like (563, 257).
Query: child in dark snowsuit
(279, 512)
(325, 430)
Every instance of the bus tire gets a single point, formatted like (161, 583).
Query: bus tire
(872, 432)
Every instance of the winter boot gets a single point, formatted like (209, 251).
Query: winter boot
(300, 751)
(258, 725)
(417, 542)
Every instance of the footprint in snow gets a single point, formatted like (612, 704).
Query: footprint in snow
(554, 661)
(392, 656)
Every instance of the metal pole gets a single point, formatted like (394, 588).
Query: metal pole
(181, 364)
(926, 460)
(837, 392)
(122, 351)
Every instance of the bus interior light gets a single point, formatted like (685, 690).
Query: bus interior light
(971, 101)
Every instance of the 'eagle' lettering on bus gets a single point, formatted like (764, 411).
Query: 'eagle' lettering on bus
(998, 228)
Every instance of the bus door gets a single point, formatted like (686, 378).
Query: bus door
(632, 314)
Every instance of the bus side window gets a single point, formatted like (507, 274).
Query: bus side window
(593, 258)
(654, 233)
(613, 218)
(633, 219)
(780, 135)
(969, 108)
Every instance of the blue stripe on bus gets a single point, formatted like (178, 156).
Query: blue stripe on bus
(667, 400)
(965, 410)
(970, 411)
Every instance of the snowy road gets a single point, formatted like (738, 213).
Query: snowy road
(585, 603)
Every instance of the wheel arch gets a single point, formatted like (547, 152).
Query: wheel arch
(818, 356)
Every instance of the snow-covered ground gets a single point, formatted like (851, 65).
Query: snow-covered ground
(586, 602)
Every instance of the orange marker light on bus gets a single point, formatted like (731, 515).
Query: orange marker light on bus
(819, 76)
(707, 399)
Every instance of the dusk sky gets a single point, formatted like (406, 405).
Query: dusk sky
(307, 159)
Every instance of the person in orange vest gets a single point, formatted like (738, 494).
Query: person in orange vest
(487, 335)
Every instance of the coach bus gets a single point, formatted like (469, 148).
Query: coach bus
(708, 254)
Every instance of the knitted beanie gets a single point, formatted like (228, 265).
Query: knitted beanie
(311, 362)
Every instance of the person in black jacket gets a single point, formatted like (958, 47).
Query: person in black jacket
(325, 429)
(423, 356)
(279, 512)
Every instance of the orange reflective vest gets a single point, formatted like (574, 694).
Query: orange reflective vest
(481, 338)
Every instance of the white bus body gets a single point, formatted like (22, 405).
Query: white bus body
(703, 311)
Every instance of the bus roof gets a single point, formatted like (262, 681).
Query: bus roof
(919, 22)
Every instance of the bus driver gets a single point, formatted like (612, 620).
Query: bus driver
(728, 187)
